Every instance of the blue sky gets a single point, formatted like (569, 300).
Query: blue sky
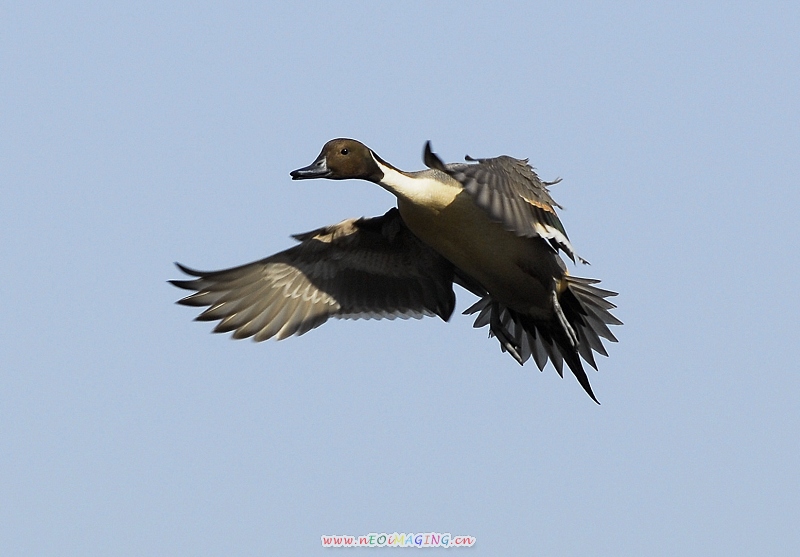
(135, 135)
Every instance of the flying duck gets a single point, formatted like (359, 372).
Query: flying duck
(489, 225)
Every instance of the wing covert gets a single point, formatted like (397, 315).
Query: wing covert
(511, 192)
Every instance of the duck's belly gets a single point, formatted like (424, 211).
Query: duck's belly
(519, 272)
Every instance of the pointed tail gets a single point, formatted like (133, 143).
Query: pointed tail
(581, 317)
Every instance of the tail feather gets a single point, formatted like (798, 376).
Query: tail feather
(566, 338)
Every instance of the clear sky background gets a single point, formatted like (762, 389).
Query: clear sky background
(138, 134)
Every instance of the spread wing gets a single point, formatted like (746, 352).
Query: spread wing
(359, 268)
(511, 193)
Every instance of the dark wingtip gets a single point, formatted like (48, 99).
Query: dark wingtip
(185, 284)
(189, 271)
(431, 159)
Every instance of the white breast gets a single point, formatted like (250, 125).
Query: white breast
(430, 189)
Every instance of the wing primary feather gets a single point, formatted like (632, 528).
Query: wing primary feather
(369, 267)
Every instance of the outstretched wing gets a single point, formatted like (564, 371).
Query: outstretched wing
(359, 268)
(511, 193)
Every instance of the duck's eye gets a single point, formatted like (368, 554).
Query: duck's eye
(345, 151)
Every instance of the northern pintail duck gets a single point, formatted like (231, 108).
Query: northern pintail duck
(489, 225)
